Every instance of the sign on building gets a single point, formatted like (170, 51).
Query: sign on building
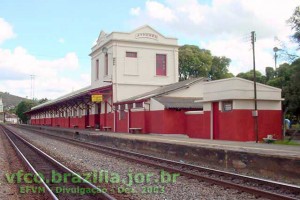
(97, 98)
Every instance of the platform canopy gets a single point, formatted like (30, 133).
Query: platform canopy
(79, 98)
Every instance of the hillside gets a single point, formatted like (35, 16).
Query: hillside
(10, 101)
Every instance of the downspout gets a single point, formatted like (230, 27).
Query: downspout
(128, 120)
(211, 122)
(115, 82)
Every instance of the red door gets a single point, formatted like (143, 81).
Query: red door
(161, 64)
(216, 133)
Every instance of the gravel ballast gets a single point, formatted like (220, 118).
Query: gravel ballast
(83, 160)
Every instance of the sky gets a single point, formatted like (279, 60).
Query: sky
(52, 39)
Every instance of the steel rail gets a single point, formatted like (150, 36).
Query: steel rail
(142, 158)
(103, 195)
(28, 164)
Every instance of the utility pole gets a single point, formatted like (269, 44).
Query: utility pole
(275, 49)
(254, 113)
(32, 86)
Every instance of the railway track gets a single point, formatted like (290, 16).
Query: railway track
(44, 168)
(258, 187)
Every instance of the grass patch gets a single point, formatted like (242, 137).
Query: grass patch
(295, 126)
(287, 142)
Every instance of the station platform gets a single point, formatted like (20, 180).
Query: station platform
(259, 148)
(263, 159)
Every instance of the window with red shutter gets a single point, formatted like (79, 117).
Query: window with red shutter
(161, 64)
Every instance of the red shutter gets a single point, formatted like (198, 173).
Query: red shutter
(161, 64)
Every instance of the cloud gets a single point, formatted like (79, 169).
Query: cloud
(227, 17)
(50, 80)
(224, 26)
(52, 77)
(241, 53)
(135, 11)
(6, 31)
(61, 40)
(44, 87)
(158, 11)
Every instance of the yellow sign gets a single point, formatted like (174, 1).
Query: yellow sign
(97, 98)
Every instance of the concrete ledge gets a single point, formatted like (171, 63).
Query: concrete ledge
(268, 166)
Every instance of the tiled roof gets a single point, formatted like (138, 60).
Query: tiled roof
(180, 102)
(77, 93)
(164, 89)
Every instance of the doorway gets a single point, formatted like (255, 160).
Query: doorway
(215, 118)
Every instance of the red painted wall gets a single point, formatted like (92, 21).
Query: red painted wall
(73, 122)
(174, 122)
(206, 127)
(122, 125)
(137, 120)
(164, 121)
(235, 125)
(109, 122)
(269, 123)
(154, 121)
(239, 125)
(102, 122)
(196, 127)
(92, 120)
(48, 121)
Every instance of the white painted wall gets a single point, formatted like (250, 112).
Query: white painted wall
(124, 91)
(103, 79)
(207, 106)
(261, 105)
(1, 105)
(155, 105)
(237, 88)
(134, 76)
(194, 113)
(144, 69)
(12, 120)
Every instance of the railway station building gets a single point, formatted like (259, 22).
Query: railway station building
(134, 88)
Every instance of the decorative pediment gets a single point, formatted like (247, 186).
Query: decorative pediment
(146, 32)
(101, 37)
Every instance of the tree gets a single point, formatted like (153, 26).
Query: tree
(43, 100)
(287, 78)
(219, 68)
(292, 89)
(294, 21)
(282, 76)
(23, 107)
(250, 74)
(270, 73)
(194, 62)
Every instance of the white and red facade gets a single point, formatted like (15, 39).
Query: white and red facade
(137, 74)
